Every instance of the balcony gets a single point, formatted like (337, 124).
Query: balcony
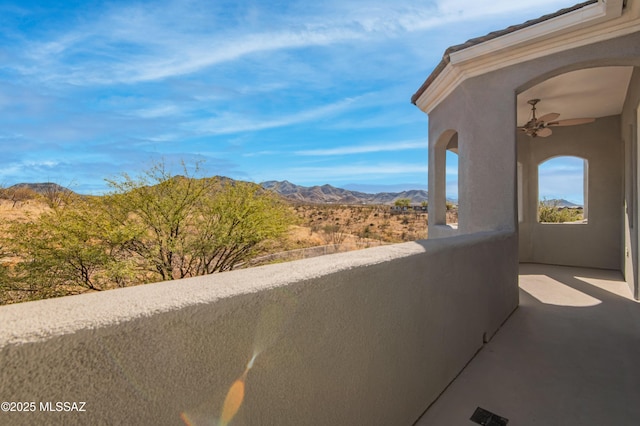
(568, 356)
(371, 337)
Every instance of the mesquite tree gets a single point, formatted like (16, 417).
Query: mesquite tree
(153, 227)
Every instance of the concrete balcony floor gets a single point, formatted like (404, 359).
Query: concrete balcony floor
(569, 355)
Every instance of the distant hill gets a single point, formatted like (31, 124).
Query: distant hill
(561, 202)
(41, 188)
(331, 194)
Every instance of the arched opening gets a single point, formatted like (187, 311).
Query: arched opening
(563, 120)
(452, 182)
(563, 190)
(443, 184)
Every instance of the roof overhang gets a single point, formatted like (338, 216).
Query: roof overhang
(583, 24)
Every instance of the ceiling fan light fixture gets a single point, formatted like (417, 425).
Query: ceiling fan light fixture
(540, 126)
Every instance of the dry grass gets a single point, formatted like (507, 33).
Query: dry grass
(318, 224)
(22, 210)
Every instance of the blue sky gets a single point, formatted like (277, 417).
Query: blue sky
(562, 177)
(311, 92)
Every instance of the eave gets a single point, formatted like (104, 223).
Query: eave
(582, 24)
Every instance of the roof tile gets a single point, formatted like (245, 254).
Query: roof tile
(492, 35)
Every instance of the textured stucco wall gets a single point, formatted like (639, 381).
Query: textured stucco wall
(362, 338)
(598, 243)
(630, 133)
(477, 111)
(482, 111)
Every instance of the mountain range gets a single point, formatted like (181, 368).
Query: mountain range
(327, 194)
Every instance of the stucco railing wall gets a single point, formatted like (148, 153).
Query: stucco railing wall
(362, 338)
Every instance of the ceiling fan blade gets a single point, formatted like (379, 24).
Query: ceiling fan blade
(571, 122)
(544, 132)
(549, 117)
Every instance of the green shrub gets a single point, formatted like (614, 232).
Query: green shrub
(549, 211)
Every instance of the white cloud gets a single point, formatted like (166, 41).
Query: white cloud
(138, 44)
(451, 170)
(157, 111)
(458, 10)
(28, 167)
(157, 49)
(362, 149)
(43, 163)
(227, 123)
(191, 56)
(261, 153)
(562, 177)
(452, 190)
(11, 170)
(359, 171)
(246, 66)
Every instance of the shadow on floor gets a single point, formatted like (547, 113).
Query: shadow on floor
(569, 355)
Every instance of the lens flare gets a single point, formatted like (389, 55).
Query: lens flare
(186, 419)
(233, 401)
(250, 363)
(270, 326)
(273, 321)
(235, 396)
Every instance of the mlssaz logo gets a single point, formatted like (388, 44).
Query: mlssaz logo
(62, 406)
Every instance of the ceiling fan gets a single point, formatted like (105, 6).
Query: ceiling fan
(540, 126)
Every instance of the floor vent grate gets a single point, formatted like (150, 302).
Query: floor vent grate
(487, 418)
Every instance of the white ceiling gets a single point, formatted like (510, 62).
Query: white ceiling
(592, 92)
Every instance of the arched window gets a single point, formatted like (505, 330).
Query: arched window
(452, 185)
(563, 190)
(444, 180)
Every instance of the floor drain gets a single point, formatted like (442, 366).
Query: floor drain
(487, 418)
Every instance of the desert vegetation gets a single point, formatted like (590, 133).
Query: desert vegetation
(329, 228)
(150, 228)
(158, 226)
(335, 224)
(550, 211)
